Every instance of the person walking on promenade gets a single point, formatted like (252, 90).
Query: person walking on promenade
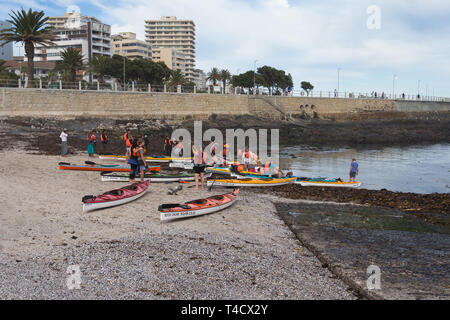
(63, 137)
(354, 170)
(199, 165)
(104, 139)
(92, 140)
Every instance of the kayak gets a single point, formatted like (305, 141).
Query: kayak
(154, 177)
(101, 167)
(251, 182)
(218, 170)
(187, 165)
(115, 197)
(197, 207)
(328, 183)
(151, 158)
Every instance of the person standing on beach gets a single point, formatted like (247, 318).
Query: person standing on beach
(354, 170)
(147, 143)
(140, 155)
(63, 137)
(127, 139)
(104, 139)
(132, 160)
(92, 140)
(199, 165)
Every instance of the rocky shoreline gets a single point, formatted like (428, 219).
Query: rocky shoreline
(42, 134)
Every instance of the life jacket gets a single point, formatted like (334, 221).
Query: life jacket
(103, 137)
(134, 153)
(91, 137)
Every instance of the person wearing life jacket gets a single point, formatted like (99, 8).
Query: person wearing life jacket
(92, 140)
(210, 152)
(127, 139)
(199, 165)
(178, 148)
(247, 158)
(104, 139)
(139, 153)
(225, 154)
(132, 159)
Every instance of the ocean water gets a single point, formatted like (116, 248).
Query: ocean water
(419, 169)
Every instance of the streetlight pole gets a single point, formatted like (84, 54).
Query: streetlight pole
(338, 70)
(418, 89)
(393, 86)
(254, 77)
(123, 73)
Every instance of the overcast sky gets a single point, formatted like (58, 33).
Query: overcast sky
(309, 39)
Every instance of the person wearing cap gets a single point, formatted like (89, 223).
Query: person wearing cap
(63, 137)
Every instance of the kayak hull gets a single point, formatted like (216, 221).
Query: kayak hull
(152, 178)
(97, 167)
(148, 159)
(209, 207)
(251, 182)
(107, 201)
(329, 184)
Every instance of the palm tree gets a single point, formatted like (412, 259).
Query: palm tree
(214, 76)
(225, 76)
(72, 61)
(177, 78)
(30, 28)
(99, 66)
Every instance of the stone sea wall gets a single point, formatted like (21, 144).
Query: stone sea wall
(74, 103)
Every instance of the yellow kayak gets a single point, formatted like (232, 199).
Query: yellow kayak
(153, 158)
(251, 182)
(224, 170)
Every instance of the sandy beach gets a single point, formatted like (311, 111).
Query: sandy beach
(125, 252)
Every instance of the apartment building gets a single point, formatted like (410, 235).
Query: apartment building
(87, 34)
(199, 79)
(6, 51)
(126, 44)
(179, 35)
(173, 59)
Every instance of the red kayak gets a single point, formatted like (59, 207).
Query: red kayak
(197, 207)
(115, 197)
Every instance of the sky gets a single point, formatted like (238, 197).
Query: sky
(375, 44)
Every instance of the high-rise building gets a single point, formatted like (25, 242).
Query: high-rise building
(173, 59)
(199, 79)
(6, 51)
(168, 32)
(126, 44)
(86, 34)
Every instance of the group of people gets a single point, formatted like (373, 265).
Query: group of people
(91, 139)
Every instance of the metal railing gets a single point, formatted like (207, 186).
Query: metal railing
(149, 88)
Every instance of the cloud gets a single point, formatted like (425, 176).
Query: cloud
(309, 39)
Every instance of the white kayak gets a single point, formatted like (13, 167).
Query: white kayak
(251, 182)
(197, 207)
(182, 165)
(159, 177)
(336, 184)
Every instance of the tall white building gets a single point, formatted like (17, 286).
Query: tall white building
(6, 51)
(87, 34)
(179, 35)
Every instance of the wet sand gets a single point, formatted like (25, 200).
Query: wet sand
(125, 252)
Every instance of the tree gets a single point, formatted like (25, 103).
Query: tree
(225, 76)
(177, 78)
(30, 28)
(307, 86)
(100, 66)
(245, 80)
(214, 76)
(72, 61)
(274, 78)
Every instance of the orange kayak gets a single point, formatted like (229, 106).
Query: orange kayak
(197, 207)
(101, 167)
